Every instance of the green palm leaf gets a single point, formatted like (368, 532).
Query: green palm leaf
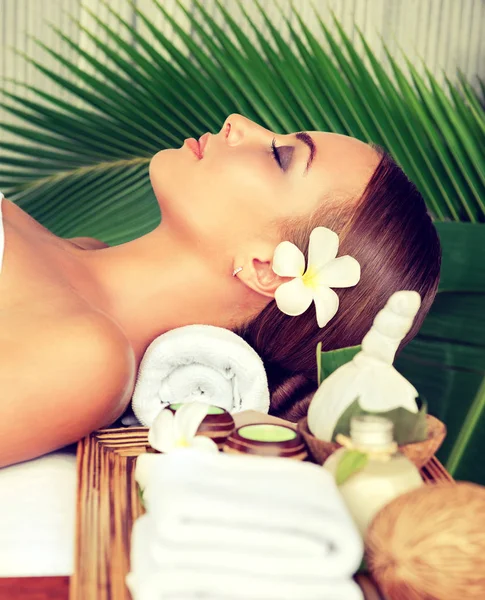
(80, 166)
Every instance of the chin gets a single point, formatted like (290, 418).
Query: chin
(165, 173)
(160, 163)
(172, 181)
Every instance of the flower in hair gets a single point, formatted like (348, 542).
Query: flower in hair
(324, 271)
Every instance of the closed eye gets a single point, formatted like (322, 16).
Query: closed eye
(282, 155)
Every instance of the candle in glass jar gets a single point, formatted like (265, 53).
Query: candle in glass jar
(266, 440)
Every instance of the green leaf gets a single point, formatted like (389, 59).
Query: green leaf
(363, 567)
(328, 362)
(446, 360)
(408, 427)
(471, 423)
(463, 267)
(351, 461)
(140, 495)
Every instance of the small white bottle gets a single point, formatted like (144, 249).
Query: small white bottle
(387, 474)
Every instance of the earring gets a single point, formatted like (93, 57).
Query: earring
(236, 271)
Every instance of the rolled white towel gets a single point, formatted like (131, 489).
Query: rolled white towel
(200, 362)
(273, 507)
(230, 579)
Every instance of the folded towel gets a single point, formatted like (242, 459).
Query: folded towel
(199, 362)
(230, 579)
(281, 516)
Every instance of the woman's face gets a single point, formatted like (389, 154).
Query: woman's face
(240, 187)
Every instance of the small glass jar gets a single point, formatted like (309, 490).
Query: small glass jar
(386, 475)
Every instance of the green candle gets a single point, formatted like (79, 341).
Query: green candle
(215, 410)
(266, 439)
(212, 410)
(267, 433)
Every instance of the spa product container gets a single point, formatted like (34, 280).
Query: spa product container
(386, 475)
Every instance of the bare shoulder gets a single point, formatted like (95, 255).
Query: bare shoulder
(88, 243)
(66, 379)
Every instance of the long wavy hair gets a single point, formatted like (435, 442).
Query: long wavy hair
(389, 231)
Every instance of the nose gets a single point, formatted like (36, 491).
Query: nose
(237, 128)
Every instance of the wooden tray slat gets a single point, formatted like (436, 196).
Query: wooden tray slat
(108, 504)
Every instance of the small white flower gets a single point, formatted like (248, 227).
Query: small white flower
(171, 431)
(323, 272)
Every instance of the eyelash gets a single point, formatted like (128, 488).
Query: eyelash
(275, 152)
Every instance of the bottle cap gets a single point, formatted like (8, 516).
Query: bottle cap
(371, 431)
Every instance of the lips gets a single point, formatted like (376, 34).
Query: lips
(203, 143)
(193, 144)
(198, 147)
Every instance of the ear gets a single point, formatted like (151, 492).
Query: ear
(257, 273)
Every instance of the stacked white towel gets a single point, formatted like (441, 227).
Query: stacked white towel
(200, 362)
(241, 528)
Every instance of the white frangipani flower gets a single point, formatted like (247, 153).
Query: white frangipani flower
(170, 431)
(370, 376)
(324, 271)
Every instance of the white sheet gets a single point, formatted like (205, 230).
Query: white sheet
(37, 516)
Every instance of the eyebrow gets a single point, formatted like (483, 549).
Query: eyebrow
(305, 137)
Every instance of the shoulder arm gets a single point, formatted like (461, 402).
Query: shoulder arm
(62, 384)
(88, 243)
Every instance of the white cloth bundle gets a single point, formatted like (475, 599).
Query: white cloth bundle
(199, 362)
(232, 526)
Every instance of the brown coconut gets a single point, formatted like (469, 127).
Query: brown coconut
(429, 544)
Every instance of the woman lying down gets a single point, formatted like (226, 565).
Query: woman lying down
(77, 315)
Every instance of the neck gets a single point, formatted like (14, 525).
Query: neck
(159, 282)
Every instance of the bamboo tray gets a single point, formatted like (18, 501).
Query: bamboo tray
(108, 504)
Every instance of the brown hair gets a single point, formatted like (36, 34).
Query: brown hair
(390, 233)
